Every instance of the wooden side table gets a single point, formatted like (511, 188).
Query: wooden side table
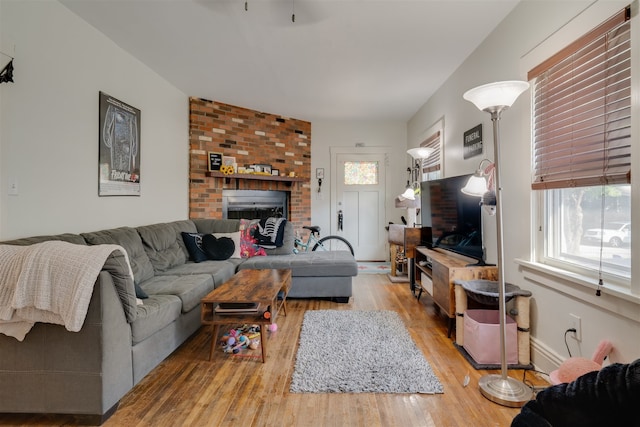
(247, 286)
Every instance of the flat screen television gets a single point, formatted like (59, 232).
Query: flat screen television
(454, 217)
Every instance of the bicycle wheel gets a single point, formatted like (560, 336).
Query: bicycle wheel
(333, 243)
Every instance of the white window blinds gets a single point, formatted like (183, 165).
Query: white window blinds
(432, 163)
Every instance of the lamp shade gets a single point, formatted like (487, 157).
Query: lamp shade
(498, 94)
(401, 202)
(476, 186)
(420, 152)
(408, 194)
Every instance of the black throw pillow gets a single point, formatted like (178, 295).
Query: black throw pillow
(193, 242)
(140, 293)
(218, 249)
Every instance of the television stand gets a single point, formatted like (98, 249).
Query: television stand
(480, 263)
(435, 273)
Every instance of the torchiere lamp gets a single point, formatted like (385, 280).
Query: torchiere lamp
(494, 98)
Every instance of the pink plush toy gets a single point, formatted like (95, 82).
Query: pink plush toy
(574, 367)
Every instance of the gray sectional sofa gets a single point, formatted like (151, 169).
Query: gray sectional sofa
(86, 373)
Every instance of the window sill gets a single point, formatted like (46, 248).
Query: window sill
(613, 298)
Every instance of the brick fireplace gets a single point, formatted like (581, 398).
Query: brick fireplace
(251, 137)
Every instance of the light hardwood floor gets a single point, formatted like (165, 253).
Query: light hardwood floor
(188, 390)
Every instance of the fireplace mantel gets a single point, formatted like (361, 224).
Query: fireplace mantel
(289, 179)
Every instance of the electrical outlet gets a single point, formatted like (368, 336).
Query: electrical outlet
(575, 322)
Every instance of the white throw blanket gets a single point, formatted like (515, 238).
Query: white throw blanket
(49, 282)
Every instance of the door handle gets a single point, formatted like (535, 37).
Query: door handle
(340, 220)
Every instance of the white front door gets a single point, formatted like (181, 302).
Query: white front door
(359, 203)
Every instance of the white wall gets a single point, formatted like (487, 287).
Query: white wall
(502, 57)
(49, 127)
(328, 134)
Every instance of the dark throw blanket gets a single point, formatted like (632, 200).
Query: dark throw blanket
(609, 397)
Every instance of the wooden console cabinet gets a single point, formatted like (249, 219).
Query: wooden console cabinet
(435, 272)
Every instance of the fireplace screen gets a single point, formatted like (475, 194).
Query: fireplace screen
(254, 204)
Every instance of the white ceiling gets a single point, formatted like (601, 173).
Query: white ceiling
(339, 60)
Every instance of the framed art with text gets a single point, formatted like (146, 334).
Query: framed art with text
(215, 161)
(119, 148)
(472, 144)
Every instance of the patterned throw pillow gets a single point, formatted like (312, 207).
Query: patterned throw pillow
(270, 233)
(248, 246)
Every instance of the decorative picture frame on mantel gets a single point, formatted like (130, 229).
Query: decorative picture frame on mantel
(215, 161)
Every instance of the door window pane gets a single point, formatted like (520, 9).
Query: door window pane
(361, 173)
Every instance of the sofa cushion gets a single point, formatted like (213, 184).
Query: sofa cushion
(157, 312)
(186, 226)
(161, 242)
(317, 264)
(189, 288)
(220, 271)
(66, 237)
(129, 239)
(209, 225)
(116, 266)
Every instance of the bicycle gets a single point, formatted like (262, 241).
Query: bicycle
(327, 243)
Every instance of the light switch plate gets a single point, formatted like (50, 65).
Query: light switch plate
(13, 187)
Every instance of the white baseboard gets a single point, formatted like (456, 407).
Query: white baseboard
(543, 358)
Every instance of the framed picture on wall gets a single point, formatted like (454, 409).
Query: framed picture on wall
(119, 148)
(472, 143)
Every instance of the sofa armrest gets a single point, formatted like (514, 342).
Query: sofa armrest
(93, 366)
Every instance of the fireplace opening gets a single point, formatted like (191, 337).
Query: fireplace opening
(254, 204)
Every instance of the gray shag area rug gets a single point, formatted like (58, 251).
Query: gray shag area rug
(343, 351)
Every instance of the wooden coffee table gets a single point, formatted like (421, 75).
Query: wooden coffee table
(247, 286)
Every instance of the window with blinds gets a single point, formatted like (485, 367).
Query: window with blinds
(582, 155)
(582, 110)
(431, 165)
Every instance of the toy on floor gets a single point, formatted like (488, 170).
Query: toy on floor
(239, 338)
(575, 367)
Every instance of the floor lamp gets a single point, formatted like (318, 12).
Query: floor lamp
(494, 98)
(477, 186)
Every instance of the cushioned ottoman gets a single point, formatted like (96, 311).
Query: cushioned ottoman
(314, 274)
